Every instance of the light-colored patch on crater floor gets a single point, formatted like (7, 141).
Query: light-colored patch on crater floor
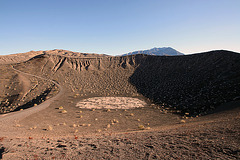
(111, 103)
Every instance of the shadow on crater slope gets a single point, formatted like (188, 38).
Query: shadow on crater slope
(194, 84)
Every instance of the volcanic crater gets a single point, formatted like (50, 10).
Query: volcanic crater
(88, 94)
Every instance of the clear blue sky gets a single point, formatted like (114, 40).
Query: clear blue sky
(119, 26)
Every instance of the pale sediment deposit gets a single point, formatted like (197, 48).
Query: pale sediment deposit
(111, 103)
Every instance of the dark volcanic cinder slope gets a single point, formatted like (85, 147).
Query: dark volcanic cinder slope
(194, 84)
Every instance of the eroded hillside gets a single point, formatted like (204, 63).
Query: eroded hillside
(86, 76)
(22, 57)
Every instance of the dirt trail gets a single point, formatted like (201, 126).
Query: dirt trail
(9, 121)
(25, 82)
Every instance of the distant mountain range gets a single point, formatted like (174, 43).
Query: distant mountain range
(164, 51)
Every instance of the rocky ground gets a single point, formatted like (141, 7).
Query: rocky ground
(209, 137)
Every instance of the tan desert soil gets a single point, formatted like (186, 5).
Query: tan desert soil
(217, 138)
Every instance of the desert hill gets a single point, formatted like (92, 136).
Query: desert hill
(21, 57)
